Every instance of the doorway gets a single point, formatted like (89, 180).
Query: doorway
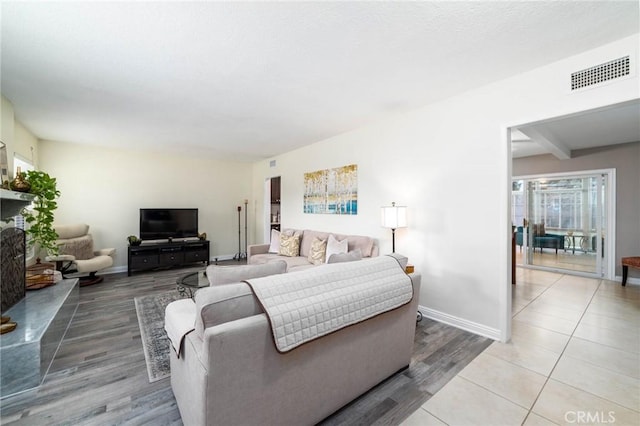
(275, 203)
(562, 222)
(272, 204)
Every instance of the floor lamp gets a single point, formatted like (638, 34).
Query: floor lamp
(394, 217)
(238, 255)
(244, 254)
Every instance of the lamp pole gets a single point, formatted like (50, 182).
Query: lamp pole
(244, 255)
(239, 255)
(393, 240)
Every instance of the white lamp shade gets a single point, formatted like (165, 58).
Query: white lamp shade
(394, 216)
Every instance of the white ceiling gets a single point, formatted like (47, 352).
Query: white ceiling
(616, 124)
(250, 80)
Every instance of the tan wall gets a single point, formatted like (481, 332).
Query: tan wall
(106, 188)
(18, 139)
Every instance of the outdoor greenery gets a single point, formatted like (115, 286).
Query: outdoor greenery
(40, 216)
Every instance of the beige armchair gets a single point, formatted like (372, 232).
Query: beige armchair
(76, 253)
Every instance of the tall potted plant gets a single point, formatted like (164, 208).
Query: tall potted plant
(40, 217)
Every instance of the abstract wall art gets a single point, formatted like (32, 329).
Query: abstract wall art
(332, 191)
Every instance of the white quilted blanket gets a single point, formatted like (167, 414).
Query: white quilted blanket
(302, 306)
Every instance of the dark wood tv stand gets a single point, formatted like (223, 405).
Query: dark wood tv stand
(164, 255)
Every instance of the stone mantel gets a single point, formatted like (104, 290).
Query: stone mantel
(12, 203)
(43, 317)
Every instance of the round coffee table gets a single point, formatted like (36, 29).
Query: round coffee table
(191, 282)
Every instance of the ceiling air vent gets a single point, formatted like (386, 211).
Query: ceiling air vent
(603, 72)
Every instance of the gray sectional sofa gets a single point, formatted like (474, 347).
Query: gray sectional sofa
(260, 253)
(230, 371)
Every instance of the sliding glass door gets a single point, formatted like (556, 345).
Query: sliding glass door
(562, 221)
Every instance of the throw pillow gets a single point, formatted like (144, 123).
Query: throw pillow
(289, 245)
(274, 246)
(538, 230)
(334, 246)
(345, 257)
(318, 251)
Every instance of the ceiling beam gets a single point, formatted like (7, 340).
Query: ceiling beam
(547, 141)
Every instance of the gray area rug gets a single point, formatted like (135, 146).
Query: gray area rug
(150, 311)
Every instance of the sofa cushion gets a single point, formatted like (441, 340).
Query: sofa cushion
(296, 262)
(274, 245)
(345, 257)
(334, 246)
(365, 244)
(218, 275)
(80, 247)
(538, 230)
(318, 251)
(289, 245)
(307, 239)
(223, 303)
(66, 232)
(262, 258)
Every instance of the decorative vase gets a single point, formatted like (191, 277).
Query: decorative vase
(19, 183)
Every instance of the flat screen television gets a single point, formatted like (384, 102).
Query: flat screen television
(160, 224)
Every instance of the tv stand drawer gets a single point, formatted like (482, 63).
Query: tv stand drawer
(144, 261)
(171, 258)
(196, 256)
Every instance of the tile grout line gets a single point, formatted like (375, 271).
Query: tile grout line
(563, 350)
(500, 396)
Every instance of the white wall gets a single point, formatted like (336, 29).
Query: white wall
(106, 187)
(449, 162)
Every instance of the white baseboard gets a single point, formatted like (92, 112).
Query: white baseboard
(113, 270)
(222, 257)
(470, 326)
(630, 280)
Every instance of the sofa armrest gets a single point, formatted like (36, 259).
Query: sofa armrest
(61, 258)
(105, 252)
(179, 320)
(256, 249)
(223, 303)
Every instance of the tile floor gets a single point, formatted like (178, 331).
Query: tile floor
(574, 358)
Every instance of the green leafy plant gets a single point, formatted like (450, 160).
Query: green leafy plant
(40, 217)
(133, 240)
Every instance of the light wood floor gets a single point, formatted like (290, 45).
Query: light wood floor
(99, 377)
(567, 260)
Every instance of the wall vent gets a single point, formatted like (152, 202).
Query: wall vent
(272, 163)
(599, 73)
